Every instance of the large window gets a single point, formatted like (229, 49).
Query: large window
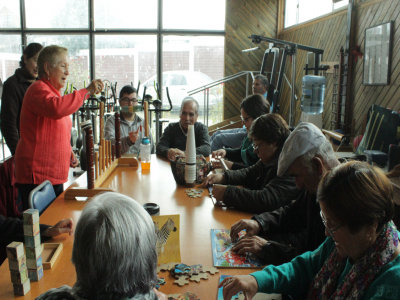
(176, 43)
(299, 11)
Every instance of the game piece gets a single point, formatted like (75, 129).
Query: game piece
(197, 277)
(17, 264)
(34, 263)
(31, 216)
(22, 288)
(33, 252)
(186, 296)
(15, 250)
(182, 280)
(50, 253)
(193, 193)
(181, 269)
(166, 266)
(196, 269)
(210, 270)
(19, 277)
(35, 274)
(32, 241)
(31, 230)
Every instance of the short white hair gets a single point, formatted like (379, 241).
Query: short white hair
(187, 100)
(114, 250)
(324, 152)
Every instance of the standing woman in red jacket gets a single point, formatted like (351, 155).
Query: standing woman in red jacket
(44, 151)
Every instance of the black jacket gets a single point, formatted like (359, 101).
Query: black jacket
(11, 102)
(291, 230)
(264, 190)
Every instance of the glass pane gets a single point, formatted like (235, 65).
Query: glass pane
(126, 59)
(291, 13)
(9, 14)
(57, 14)
(10, 54)
(188, 63)
(340, 4)
(132, 14)
(202, 15)
(308, 10)
(78, 50)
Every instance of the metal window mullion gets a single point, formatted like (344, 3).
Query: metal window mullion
(159, 47)
(22, 23)
(92, 41)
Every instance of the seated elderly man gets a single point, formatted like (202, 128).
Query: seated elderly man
(108, 264)
(264, 190)
(233, 138)
(173, 140)
(130, 124)
(295, 228)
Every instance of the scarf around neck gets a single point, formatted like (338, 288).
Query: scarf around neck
(362, 274)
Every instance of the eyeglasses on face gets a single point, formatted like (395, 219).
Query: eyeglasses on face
(331, 230)
(255, 148)
(128, 101)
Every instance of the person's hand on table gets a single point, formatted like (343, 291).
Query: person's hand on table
(133, 136)
(219, 191)
(63, 226)
(173, 153)
(73, 160)
(252, 228)
(240, 283)
(161, 296)
(218, 153)
(95, 87)
(213, 179)
(252, 244)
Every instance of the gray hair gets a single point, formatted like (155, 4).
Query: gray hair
(114, 250)
(50, 55)
(187, 100)
(324, 152)
(263, 79)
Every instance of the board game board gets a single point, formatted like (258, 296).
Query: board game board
(167, 231)
(223, 256)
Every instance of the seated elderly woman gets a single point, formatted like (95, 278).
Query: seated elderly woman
(359, 259)
(250, 109)
(108, 264)
(264, 190)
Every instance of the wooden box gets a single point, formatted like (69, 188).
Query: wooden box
(50, 253)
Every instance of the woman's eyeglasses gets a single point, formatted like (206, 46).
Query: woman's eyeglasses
(331, 230)
(255, 148)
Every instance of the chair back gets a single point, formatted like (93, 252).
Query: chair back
(42, 196)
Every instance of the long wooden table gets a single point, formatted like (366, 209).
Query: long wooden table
(197, 217)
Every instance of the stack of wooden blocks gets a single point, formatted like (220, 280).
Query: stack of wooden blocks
(18, 271)
(33, 247)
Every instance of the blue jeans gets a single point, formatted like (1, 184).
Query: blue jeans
(229, 138)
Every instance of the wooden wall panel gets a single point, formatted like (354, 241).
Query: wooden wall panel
(330, 35)
(243, 18)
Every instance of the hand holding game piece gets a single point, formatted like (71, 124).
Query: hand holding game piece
(252, 244)
(252, 227)
(173, 153)
(219, 153)
(213, 178)
(233, 285)
(219, 191)
(63, 226)
(134, 135)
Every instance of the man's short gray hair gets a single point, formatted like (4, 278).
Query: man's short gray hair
(189, 99)
(263, 79)
(324, 152)
(114, 250)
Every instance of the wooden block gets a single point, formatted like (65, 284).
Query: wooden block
(32, 241)
(34, 263)
(33, 252)
(100, 160)
(31, 216)
(19, 277)
(15, 250)
(50, 253)
(71, 193)
(31, 230)
(132, 161)
(96, 165)
(17, 264)
(35, 274)
(22, 288)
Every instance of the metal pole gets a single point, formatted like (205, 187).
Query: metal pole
(208, 95)
(247, 84)
(291, 113)
(204, 108)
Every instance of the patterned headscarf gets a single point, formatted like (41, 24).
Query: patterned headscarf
(362, 273)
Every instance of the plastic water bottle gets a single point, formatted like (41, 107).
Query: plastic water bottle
(313, 95)
(145, 152)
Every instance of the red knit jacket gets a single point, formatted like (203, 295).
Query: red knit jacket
(44, 150)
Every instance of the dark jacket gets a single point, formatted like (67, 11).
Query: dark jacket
(173, 137)
(8, 190)
(264, 190)
(292, 229)
(11, 102)
(235, 155)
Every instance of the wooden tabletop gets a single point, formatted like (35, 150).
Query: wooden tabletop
(197, 217)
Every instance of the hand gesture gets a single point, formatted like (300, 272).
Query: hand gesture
(95, 87)
(219, 153)
(243, 283)
(252, 228)
(73, 160)
(219, 191)
(134, 135)
(252, 244)
(63, 226)
(212, 179)
(173, 153)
